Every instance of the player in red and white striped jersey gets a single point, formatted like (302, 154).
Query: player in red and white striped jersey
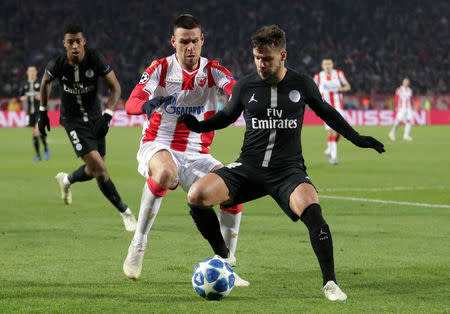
(403, 100)
(332, 83)
(169, 153)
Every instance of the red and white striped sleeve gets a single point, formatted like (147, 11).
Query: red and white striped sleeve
(396, 98)
(153, 76)
(220, 76)
(342, 78)
(317, 78)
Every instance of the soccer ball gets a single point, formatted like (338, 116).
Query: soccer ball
(213, 279)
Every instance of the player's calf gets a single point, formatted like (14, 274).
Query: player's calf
(207, 223)
(321, 241)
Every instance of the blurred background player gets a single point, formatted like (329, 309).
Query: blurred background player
(78, 71)
(29, 92)
(169, 153)
(402, 100)
(332, 83)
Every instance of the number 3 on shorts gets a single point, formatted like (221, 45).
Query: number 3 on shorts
(74, 136)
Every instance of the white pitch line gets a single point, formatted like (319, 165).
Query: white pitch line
(383, 201)
(392, 188)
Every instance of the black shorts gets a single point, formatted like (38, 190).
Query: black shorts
(32, 119)
(83, 139)
(247, 183)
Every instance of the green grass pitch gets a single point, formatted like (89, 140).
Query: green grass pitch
(390, 257)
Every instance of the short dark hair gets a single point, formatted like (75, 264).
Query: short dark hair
(270, 35)
(186, 21)
(72, 29)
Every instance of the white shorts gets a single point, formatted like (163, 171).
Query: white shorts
(327, 127)
(191, 166)
(404, 115)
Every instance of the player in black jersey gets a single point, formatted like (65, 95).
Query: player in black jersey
(29, 92)
(78, 71)
(271, 163)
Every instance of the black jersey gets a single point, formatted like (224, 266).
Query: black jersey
(31, 90)
(274, 117)
(79, 99)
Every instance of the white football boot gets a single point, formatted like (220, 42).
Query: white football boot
(132, 266)
(333, 161)
(392, 136)
(129, 220)
(239, 282)
(407, 138)
(333, 292)
(66, 193)
(231, 260)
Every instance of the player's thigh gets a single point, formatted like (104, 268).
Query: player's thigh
(292, 189)
(83, 140)
(304, 195)
(195, 166)
(401, 115)
(163, 168)
(244, 182)
(153, 158)
(35, 130)
(409, 116)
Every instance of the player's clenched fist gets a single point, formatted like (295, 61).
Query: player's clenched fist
(150, 105)
(44, 122)
(102, 125)
(191, 122)
(368, 142)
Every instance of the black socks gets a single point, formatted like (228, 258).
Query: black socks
(79, 175)
(36, 145)
(207, 223)
(321, 242)
(44, 141)
(109, 190)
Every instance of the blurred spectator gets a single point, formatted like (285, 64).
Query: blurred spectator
(373, 42)
(14, 105)
(365, 103)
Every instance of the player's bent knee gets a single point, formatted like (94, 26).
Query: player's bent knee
(302, 197)
(165, 176)
(196, 195)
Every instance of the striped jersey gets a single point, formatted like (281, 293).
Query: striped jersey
(328, 87)
(403, 97)
(195, 93)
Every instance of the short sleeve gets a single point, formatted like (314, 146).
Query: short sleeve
(53, 68)
(103, 66)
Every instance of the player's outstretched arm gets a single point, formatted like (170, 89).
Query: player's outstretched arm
(151, 104)
(336, 121)
(46, 88)
(221, 119)
(101, 127)
(218, 121)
